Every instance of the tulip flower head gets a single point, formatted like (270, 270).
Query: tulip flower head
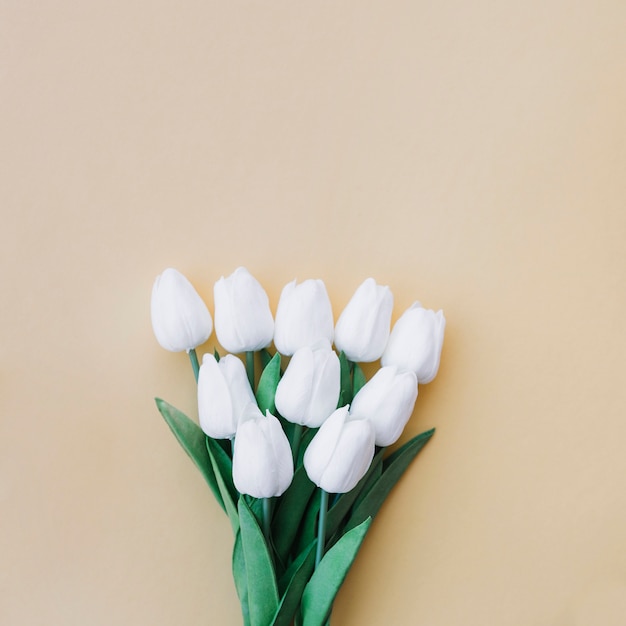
(387, 401)
(363, 327)
(415, 342)
(309, 390)
(180, 318)
(340, 453)
(223, 394)
(262, 460)
(304, 316)
(243, 320)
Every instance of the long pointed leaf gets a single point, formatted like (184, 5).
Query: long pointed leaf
(266, 390)
(416, 443)
(266, 357)
(256, 506)
(308, 526)
(345, 395)
(291, 507)
(306, 439)
(372, 476)
(320, 592)
(358, 379)
(338, 512)
(299, 573)
(241, 578)
(287, 575)
(223, 470)
(193, 441)
(262, 587)
(393, 468)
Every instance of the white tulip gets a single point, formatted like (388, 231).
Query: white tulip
(340, 453)
(304, 316)
(223, 394)
(262, 461)
(387, 401)
(363, 327)
(243, 320)
(415, 342)
(180, 318)
(309, 390)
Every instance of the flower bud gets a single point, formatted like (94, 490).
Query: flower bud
(243, 320)
(309, 390)
(304, 316)
(363, 327)
(223, 394)
(180, 319)
(387, 401)
(415, 342)
(262, 461)
(340, 453)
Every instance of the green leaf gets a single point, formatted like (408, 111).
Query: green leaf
(287, 575)
(372, 476)
(290, 511)
(308, 526)
(393, 468)
(288, 428)
(418, 442)
(297, 575)
(193, 441)
(256, 506)
(338, 511)
(241, 578)
(216, 354)
(266, 357)
(345, 395)
(306, 439)
(320, 592)
(358, 379)
(262, 587)
(266, 391)
(223, 470)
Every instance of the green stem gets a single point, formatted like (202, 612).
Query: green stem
(295, 444)
(321, 527)
(267, 514)
(193, 357)
(250, 368)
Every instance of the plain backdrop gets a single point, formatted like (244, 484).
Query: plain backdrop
(471, 155)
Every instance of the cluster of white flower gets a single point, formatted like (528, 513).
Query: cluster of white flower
(308, 394)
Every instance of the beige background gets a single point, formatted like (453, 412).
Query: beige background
(469, 154)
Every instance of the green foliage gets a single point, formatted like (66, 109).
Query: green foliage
(338, 512)
(320, 592)
(289, 513)
(193, 442)
(223, 471)
(358, 379)
(297, 576)
(307, 530)
(345, 395)
(393, 469)
(240, 577)
(266, 390)
(266, 357)
(261, 580)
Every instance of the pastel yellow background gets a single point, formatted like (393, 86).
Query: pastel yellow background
(471, 155)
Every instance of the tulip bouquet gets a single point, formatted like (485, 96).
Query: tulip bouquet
(294, 449)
